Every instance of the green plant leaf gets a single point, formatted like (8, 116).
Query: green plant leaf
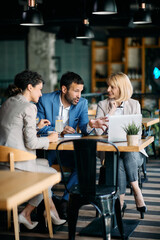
(132, 129)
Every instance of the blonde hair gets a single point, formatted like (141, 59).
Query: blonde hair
(121, 81)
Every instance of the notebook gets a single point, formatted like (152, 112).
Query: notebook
(74, 135)
(116, 132)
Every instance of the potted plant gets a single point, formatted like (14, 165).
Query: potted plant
(132, 131)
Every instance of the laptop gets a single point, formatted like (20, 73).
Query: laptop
(116, 132)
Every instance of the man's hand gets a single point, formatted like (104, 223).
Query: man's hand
(99, 122)
(67, 129)
(43, 123)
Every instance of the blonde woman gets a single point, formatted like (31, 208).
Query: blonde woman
(119, 102)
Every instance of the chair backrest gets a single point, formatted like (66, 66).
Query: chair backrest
(85, 161)
(146, 113)
(11, 155)
(91, 112)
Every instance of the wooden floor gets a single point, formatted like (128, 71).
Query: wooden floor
(149, 227)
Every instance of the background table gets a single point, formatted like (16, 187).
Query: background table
(149, 121)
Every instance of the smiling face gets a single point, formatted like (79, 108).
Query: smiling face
(72, 95)
(35, 92)
(113, 92)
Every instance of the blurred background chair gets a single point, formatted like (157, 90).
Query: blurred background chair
(92, 112)
(148, 131)
(103, 197)
(41, 153)
(146, 113)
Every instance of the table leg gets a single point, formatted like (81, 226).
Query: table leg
(110, 164)
(9, 218)
(15, 220)
(47, 207)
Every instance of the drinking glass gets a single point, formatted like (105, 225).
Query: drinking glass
(59, 124)
(50, 132)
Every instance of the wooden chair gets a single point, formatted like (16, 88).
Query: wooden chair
(57, 167)
(147, 131)
(11, 155)
(92, 112)
(42, 154)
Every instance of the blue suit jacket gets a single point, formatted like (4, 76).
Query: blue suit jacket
(48, 108)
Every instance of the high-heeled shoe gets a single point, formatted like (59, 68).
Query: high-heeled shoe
(24, 221)
(123, 208)
(55, 221)
(142, 210)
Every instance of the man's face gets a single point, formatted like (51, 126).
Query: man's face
(73, 95)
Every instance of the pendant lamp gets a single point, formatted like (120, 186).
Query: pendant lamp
(84, 31)
(142, 16)
(32, 16)
(104, 7)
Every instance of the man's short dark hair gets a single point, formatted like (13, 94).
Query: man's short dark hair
(70, 77)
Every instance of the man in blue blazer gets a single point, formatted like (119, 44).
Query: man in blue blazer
(67, 103)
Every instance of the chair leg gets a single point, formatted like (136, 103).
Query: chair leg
(139, 178)
(144, 169)
(9, 218)
(119, 218)
(15, 220)
(154, 150)
(73, 209)
(106, 227)
(47, 208)
(131, 190)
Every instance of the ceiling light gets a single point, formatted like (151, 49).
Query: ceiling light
(84, 31)
(32, 16)
(142, 16)
(104, 7)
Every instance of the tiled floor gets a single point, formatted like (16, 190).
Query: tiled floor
(149, 227)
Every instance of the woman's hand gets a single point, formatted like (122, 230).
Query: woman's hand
(113, 107)
(99, 123)
(53, 137)
(42, 123)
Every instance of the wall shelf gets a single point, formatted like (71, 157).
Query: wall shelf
(121, 54)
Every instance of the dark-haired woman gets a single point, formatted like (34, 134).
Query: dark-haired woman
(18, 130)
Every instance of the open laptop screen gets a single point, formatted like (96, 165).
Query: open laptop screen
(116, 132)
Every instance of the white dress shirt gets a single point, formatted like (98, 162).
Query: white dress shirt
(64, 112)
(120, 109)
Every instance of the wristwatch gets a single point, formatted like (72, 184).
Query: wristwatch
(37, 128)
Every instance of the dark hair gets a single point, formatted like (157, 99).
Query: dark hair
(70, 77)
(22, 80)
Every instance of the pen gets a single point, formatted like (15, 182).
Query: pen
(91, 131)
